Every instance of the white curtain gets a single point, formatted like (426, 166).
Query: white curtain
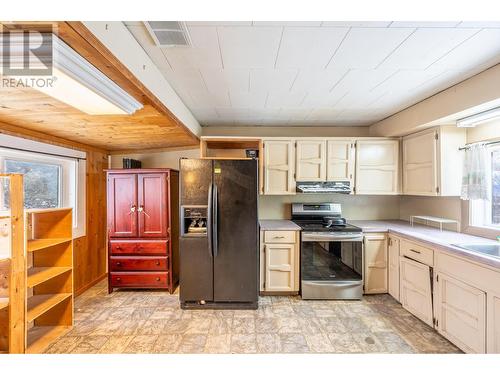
(475, 173)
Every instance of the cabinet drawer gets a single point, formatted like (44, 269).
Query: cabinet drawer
(419, 253)
(139, 279)
(279, 236)
(139, 248)
(138, 264)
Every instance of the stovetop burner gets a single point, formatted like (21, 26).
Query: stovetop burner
(320, 227)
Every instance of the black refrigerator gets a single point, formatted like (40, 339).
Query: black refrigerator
(219, 249)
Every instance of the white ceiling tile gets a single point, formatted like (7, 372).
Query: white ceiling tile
(311, 80)
(363, 80)
(219, 23)
(288, 23)
(272, 79)
(482, 47)
(249, 47)
(284, 99)
(479, 24)
(248, 99)
(365, 48)
(303, 47)
(431, 24)
(322, 99)
(188, 79)
(203, 52)
(405, 80)
(355, 24)
(204, 99)
(425, 46)
(225, 79)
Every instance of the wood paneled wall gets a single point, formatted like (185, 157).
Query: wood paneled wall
(90, 251)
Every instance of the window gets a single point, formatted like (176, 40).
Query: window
(495, 186)
(50, 181)
(42, 182)
(486, 213)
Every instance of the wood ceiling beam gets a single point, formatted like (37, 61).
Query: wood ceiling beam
(32, 114)
(33, 135)
(105, 54)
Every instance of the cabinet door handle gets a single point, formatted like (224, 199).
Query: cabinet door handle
(157, 279)
(158, 263)
(279, 236)
(118, 279)
(415, 251)
(118, 264)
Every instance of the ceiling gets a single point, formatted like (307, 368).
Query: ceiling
(152, 127)
(318, 73)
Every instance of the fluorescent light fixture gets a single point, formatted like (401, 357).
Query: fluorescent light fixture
(472, 121)
(80, 84)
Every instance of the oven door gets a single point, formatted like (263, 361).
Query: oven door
(331, 266)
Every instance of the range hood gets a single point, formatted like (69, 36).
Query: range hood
(343, 187)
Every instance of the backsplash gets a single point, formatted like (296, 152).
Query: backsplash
(354, 207)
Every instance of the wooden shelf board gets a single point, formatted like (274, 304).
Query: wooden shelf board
(4, 302)
(34, 245)
(45, 210)
(38, 275)
(40, 304)
(40, 337)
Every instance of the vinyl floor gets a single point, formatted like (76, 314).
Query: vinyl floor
(135, 321)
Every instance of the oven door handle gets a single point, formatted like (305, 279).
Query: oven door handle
(306, 237)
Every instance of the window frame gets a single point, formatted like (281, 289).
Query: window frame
(478, 213)
(73, 163)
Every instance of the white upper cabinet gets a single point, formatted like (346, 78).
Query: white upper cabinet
(432, 162)
(377, 166)
(279, 160)
(311, 160)
(340, 160)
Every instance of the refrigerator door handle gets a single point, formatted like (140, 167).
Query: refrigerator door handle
(215, 228)
(209, 219)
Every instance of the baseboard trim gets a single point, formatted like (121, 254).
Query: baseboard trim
(90, 285)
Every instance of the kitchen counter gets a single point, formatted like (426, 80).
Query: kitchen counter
(278, 225)
(433, 237)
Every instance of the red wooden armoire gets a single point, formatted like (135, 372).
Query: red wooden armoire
(143, 207)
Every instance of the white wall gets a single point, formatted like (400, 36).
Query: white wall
(484, 132)
(164, 159)
(354, 207)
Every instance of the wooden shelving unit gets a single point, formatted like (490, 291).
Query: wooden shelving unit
(49, 276)
(12, 265)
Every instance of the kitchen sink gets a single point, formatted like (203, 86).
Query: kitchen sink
(488, 249)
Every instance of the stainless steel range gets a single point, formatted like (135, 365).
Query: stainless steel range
(331, 252)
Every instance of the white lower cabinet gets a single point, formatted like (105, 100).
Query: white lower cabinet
(460, 313)
(393, 253)
(493, 323)
(415, 289)
(279, 261)
(375, 275)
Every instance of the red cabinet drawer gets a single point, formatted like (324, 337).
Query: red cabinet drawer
(139, 248)
(138, 264)
(139, 279)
